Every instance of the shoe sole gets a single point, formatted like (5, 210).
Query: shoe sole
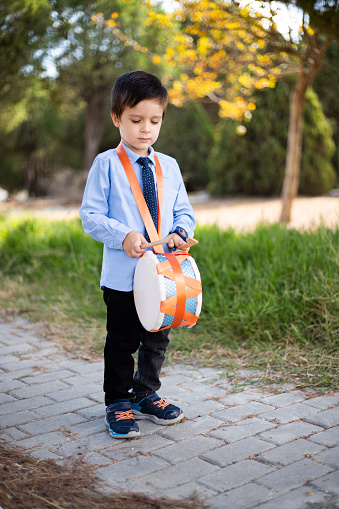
(131, 434)
(139, 416)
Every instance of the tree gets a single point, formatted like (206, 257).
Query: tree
(225, 52)
(253, 164)
(326, 86)
(96, 45)
(23, 25)
(309, 54)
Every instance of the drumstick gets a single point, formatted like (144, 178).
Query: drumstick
(165, 240)
(190, 242)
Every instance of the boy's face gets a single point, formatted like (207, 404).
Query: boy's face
(140, 126)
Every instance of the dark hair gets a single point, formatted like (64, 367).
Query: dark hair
(132, 87)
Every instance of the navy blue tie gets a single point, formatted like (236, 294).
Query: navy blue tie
(149, 191)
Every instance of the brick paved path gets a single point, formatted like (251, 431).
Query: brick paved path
(240, 450)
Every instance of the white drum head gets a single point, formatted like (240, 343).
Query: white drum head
(149, 291)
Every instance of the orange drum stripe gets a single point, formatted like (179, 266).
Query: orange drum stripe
(181, 290)
(189, 281)
(186, 288)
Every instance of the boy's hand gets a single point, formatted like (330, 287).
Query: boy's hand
(177, 242)
(132, 243)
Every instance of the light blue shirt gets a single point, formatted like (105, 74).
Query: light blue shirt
(109, 211)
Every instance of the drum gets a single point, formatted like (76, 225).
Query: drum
(167, 290)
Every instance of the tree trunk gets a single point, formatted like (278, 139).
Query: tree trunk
(93, 129)
(294, 147)
(30, 176)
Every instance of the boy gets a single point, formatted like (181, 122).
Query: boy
(110, 215)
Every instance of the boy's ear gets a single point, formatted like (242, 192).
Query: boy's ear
(115, 120)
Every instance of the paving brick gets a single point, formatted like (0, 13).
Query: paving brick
(81, 367)
(43, 454)
(133, 467)
(189, 491)
(289, 413)
(237, 451)
(181, 473)
(224, 479)
(5, 360)
(326, 418)
(27, 363)
(288, 432)
(18, 348)
(98, 442)
(328, 483)
(322, 402)
(178, 378)
(189, 428)
(92, 412)
(6, 398)
(242, 429)
(134, 485)
(64, 407)
(85, 378)
(329, 437)
(43, 440)
(97, 396)
(294, 451)
(241, 498)
(141, 445)
(67, 392)
(87, 428)
(94, 458)
(173, 391)
(12, 385)
(329, 457)
(19, 373)
(186, 449)
(19, 405)
(284, 399)
(41, 378)
(241, 398)
(294, 475)
(200, 395)
(203, 408)
(11, 434)
(10, 339)
(239, 412)
(17, 419)
(51, 424)
(37, 390)
(299, 498)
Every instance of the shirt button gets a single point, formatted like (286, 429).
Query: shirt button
(119, 246)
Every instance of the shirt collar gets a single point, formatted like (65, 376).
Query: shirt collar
(133, 157)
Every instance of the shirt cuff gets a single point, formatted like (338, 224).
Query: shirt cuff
(120, 236)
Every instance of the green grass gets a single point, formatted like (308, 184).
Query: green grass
(270, 297)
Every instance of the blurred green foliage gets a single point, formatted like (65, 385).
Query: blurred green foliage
(253, 164)
(47, 120)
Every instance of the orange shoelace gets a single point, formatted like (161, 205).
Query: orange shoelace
(120, 415)
(161, 403)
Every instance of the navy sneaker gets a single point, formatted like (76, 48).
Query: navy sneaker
(156, 409)
(120, 420)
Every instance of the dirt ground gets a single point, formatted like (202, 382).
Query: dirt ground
(243, 214)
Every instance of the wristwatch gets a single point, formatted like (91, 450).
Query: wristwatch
(181, 232)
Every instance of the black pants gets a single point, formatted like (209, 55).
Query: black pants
(126, 335)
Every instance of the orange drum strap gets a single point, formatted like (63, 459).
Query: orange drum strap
(139, 197)
(181, 290)
(175, 305)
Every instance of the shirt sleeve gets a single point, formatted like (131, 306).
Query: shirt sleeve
(94, 209)
(182, 212)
